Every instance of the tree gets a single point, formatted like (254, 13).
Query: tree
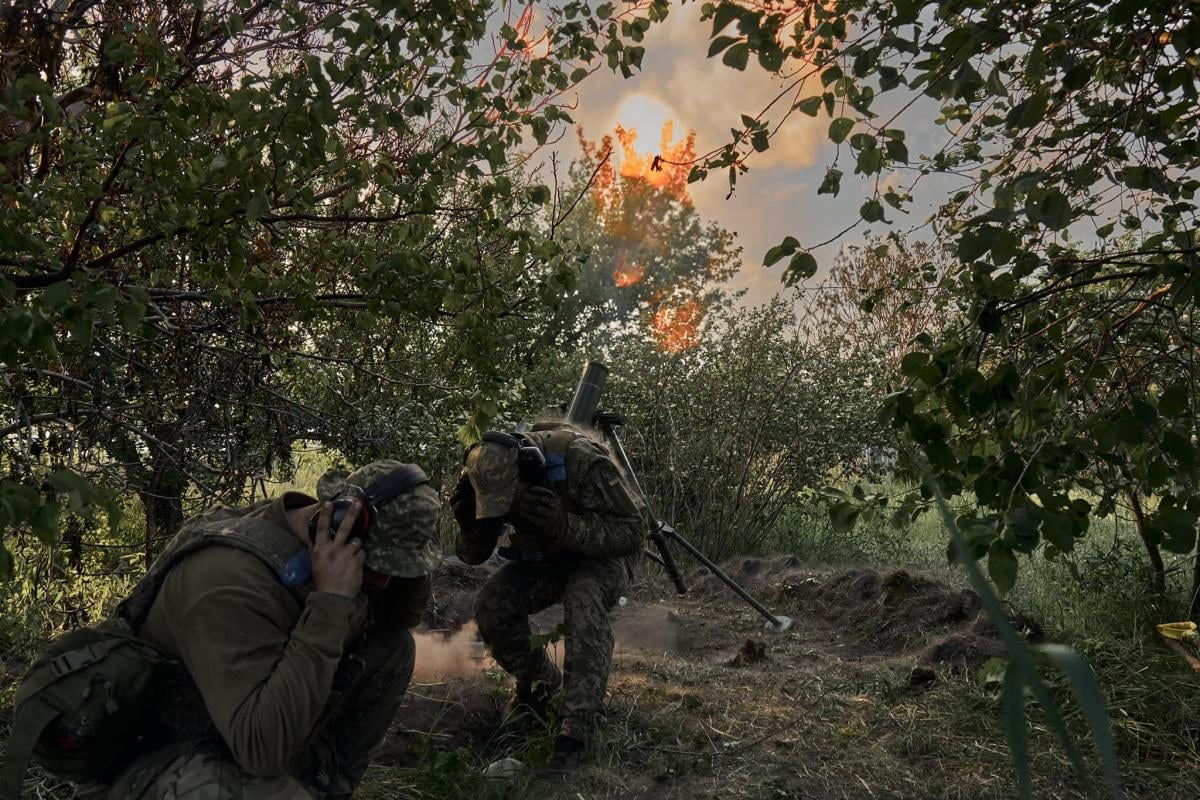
(1073, 369)
(727, 434)
(651, 260)
(196, 200)
(882, 296)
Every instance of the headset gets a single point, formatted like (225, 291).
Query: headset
(382, 491)
(531, 461)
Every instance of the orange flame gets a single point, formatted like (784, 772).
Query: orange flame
(627, 274)
(667, 171)
(677, 328)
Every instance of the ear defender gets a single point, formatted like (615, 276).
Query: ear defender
(382, 491)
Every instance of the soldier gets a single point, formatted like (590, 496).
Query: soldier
(293, 641)
(576, 534)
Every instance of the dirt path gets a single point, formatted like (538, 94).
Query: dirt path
(870, 694)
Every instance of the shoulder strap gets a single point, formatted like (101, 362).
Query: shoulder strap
(20, 749)
(555, 448)
(270, 543)
(560, 440)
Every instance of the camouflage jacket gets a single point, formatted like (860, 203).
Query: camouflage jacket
(605, 517)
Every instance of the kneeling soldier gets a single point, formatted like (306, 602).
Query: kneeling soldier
(576, 534)
(291, 640)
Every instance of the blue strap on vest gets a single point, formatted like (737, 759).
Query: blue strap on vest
(556, 467)
(298, 569)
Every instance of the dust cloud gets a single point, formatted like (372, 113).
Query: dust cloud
(647, 629)
(455, 655)
(443, 655)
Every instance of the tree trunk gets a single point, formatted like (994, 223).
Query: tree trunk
(73, 539)
(1194, 604)
(163, 507)
(1158, 576)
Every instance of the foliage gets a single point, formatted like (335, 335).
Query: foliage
(884, 294)
(1074, 370)
(727, 435)
(230, 226)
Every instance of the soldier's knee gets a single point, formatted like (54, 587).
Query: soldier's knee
(489, 612)
(592, 597)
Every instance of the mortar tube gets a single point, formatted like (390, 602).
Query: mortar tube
(587, 394)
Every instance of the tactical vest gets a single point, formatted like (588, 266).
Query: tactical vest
(84, 709)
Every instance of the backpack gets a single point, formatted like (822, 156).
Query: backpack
(82, 709)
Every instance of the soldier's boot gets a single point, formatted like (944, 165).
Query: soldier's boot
(532, 705)
(568, 752)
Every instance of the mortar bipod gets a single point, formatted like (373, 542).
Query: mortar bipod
(662, 533)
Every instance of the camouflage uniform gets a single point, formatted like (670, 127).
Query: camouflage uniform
(586, 570)
(280, 691)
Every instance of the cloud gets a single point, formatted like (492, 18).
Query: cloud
(700, 93)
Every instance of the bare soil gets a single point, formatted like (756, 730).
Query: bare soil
(870, 694)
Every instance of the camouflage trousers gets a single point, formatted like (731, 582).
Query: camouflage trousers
(587, 591)
(369, 685)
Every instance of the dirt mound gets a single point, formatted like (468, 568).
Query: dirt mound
(751, 652)
(891, 613)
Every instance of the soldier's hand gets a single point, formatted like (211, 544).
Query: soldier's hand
(539, 511)
(462, 503)
(337, 563)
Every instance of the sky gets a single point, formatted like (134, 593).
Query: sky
(777, 197)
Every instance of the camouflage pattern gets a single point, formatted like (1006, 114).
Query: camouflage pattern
(587, 591)
(603, 540)
(402, 539)
(369, 686)
(605, 518)
(492, 469)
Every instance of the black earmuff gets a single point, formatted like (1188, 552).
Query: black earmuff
(382, 491)
(531, 461)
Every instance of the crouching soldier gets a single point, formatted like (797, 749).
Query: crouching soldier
(285, 628)
(576, 532)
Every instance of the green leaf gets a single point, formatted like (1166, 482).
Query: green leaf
(541, 640)
(1178, 526)
(1174, 401)
(56, 295)
(1091, 702)
(1002, 567)
(839, 129)
(737, 56)
(132, 314)
(726, 13)
(832, 183)
(809, 105)
(720, 43)
(1054, 210)
(801, 267)
(912, 363)
(871, 211)
(6, 563)
(1021, 527)
(843, 516)
(788, 246)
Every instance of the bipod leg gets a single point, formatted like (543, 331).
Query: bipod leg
(666, 559)
(776, 623)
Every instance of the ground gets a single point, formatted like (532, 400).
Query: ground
(878, 690)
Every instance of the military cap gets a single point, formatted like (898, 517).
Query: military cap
(402, 541)
(492, 470)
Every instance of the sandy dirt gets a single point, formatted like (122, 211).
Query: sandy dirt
(704, 702)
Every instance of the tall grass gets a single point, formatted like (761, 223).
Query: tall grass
(1099, 591)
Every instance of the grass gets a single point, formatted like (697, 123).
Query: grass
(682, 728)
